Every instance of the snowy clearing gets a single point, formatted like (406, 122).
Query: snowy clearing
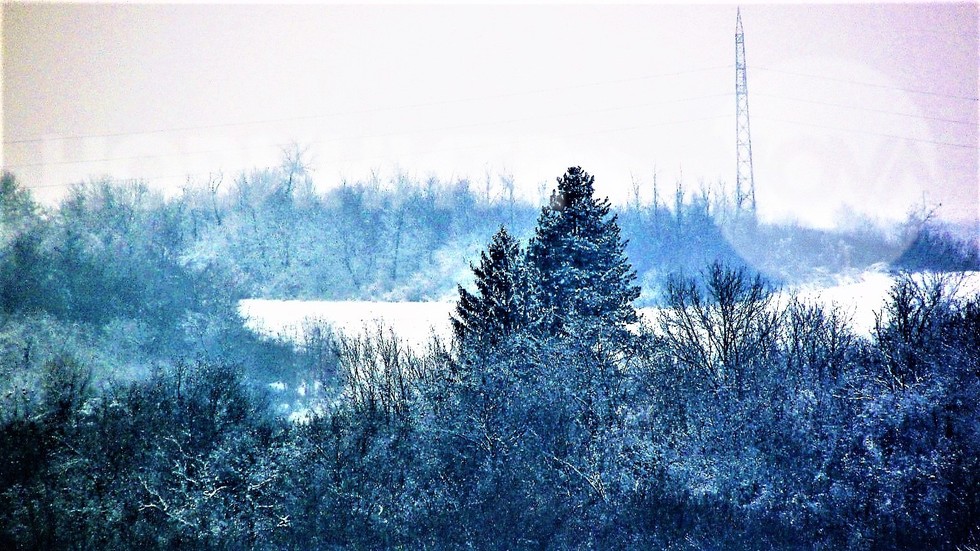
(413, 322)
(860, 296)
(863, 295)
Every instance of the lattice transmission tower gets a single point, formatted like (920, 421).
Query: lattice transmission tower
(744, 179)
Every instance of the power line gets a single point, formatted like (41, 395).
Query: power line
(136, 157)
(364, 111)
(138, 179)
(550, 137)
(493, 123)
(438, 150)
(856, 131)
(862, 83)
(869, 109)
(381, 135)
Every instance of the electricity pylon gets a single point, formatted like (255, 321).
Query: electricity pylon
(744, 179)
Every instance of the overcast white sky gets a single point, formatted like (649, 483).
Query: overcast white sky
(869, 107)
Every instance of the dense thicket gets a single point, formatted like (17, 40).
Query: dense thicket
(732, 420)
(398, 240)
(111, 276)
(814, 438)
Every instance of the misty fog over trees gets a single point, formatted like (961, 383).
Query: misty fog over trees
(136, 410)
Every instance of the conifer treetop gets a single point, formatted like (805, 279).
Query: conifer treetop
(581, 270)
(496, 310)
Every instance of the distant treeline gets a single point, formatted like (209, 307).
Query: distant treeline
(276, 237)
(136, 275)
(551, 420)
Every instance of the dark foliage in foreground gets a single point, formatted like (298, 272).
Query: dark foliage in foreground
(732, 421)
(814, 438)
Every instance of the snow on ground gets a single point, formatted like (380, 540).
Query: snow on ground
(863, 295)
(414, 322)
(860, 295)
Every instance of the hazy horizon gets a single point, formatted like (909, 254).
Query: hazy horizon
(861, 109)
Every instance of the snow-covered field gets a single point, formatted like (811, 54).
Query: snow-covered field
(864, 294)
(413, 322)
(860, 295)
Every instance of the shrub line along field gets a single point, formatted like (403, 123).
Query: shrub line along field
(415, 322)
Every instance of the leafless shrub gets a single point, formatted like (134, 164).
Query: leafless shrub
(380, 373)
(720, 330)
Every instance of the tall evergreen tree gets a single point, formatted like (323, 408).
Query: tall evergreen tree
(497, 309)
(579, 261)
